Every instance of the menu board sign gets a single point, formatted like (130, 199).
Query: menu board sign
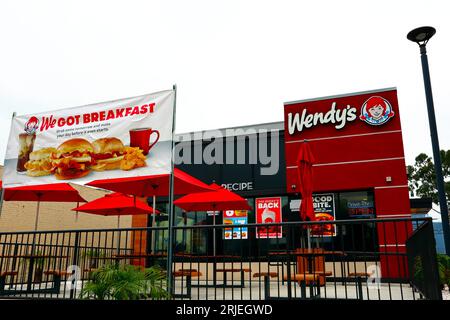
(235, 218)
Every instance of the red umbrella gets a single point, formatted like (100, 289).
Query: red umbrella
(58, 192)
(305, 170)
(157, 185)
(219, 200)
(116, 204)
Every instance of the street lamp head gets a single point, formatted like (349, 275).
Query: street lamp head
(421, 35)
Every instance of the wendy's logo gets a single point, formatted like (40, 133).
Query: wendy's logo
(32, 125)
(376, 111)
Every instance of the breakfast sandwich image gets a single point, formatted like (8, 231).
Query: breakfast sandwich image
(76, 158)
(72, 159)
(108, 153)
(40, 163)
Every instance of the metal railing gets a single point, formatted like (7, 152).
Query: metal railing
(347, 259)
(422, 263)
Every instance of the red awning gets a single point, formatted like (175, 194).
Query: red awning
(219, 200)
(57, 192)
(157, 185)
(116, 204)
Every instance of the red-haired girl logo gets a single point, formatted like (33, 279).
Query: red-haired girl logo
(376, 111)
(32, 125)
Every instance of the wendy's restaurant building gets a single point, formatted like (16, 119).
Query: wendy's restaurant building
(363, 236)
(359, 173)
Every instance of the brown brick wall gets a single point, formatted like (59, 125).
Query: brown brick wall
(140, 240)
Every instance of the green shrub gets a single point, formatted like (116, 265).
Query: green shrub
(126, 282)
(93, 255)
(444, 269)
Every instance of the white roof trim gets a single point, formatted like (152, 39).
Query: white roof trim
(340, 95)
(270, 126)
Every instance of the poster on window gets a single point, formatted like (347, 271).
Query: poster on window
(268, 210)
(360, 208)
(234, 218)
(121, 138)
(324, 209)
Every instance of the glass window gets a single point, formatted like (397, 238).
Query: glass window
(358, 237)
(348, 205)
(358, 204)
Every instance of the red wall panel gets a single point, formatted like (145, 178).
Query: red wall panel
(359, 156)
(353, 176)
(387, 144)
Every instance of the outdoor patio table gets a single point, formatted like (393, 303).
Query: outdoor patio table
(219, 258)
(310, 254)
(32, 258)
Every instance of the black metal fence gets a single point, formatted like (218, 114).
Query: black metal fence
(422, 263)
(352, 259)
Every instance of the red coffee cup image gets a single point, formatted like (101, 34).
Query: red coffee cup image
(140, 138)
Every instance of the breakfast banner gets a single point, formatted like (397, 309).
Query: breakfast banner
(122, 138)
(324, 209)
(268, 210)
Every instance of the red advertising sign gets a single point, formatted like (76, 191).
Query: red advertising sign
(268, 210)
(122, 138)
(324, 209)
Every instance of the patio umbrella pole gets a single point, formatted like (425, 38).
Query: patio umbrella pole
(118, 234)
(309, 238)
(37, 215)
(214, 230)
(154, 225)
(214, 234)
(1, 203)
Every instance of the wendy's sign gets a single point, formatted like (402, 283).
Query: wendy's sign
(347, 134)
(338, 113)
(376, 111)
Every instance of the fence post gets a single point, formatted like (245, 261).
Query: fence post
(359, 288)
(421, 255)
(302, 289)
(266, 287)
(75, 262)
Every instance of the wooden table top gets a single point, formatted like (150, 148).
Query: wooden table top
(34, 256)
(178, 255)
(306, 253)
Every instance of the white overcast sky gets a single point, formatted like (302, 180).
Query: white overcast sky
(235, 62)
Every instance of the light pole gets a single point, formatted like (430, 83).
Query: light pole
(421, 36)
